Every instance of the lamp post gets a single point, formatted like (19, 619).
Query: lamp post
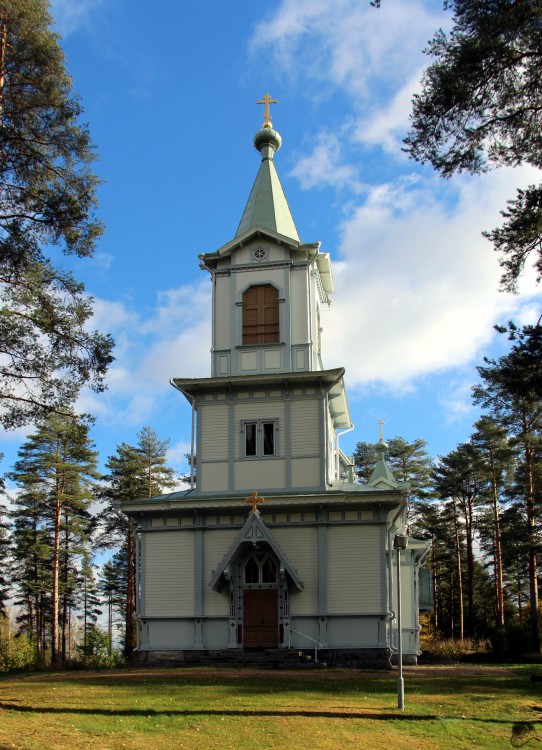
(400, 542)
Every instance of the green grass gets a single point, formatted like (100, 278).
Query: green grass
(446, 707)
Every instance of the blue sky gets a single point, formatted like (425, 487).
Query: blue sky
(169, 92)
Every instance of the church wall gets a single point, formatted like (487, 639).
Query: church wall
(355, 569)
(408, 577)
(353, 632)
(213, 428)
(168, 634)
(305, 427)
(243, 255)
(214, 477)
(223, 313)
(269, 473)
(305, 472)
(168, 574)
(331, 464)
(215, 544)
(300, 545)
(300, 333)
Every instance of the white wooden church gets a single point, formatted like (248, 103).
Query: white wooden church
(274, 546)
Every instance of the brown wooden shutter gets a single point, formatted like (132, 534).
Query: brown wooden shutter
(261, 315)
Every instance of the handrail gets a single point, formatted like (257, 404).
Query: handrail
(304, 635)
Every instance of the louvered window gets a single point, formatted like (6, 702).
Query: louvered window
(261, 315)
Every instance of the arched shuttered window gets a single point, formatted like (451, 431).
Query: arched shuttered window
(261, 315)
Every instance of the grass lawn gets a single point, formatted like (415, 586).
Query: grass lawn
(445, 707)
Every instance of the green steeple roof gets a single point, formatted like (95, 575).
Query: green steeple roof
(382, 474)
(267, 205)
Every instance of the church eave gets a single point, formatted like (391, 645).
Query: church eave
(336, 496)
(327, 379)
(256, 232)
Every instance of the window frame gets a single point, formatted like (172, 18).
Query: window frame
(256, 327)
(259, 442)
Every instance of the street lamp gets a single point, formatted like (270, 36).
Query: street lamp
(400, 542)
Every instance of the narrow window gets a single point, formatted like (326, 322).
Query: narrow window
(269, 571)
(268, 438)
(250, 438)
(261, 315)
(252, 571)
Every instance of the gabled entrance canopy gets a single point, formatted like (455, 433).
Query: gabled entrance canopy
(253, 532)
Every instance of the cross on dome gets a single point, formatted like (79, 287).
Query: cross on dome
(267, 115)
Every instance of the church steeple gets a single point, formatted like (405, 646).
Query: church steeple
(267, 205)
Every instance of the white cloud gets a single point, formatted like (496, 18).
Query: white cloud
(325, 167)
(386, 125)
(348, 43)
(71, 15)
(172, 339)
(416, 290)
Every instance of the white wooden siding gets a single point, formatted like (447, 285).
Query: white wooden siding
(301, 548)
(299, 308)
(354, 569)
(253, 474)
(305, 428)
(215, 546)
(168, 574)
(223, 309)
(306, 472)
(213, 477)
(408, 613)
(214, 432)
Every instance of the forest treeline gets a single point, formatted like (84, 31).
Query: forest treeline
(478, 507)
(479, 108)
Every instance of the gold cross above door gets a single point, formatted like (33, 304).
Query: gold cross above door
(255, 499)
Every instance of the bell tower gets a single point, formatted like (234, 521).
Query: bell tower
(268, 286)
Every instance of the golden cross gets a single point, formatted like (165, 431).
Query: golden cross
(255, 499)
(380, 423)
(267, 116)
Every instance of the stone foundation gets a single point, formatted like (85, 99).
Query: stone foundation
(361, 658)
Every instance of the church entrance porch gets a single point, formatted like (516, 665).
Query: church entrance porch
(260, 618)
(261, 595)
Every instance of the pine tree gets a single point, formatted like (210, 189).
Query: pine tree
(458, 479)
(89, 600)
(135, 472)
(112, 588)
(491, 442)
(511, 391)
(481, 107)
(32, 556)
(5, 556)
(47, 197)
(409, 462)
(60, 460)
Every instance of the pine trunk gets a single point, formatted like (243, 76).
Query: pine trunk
(531, 531)
(459, 576)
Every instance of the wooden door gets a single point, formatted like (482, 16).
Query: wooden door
(261, 618)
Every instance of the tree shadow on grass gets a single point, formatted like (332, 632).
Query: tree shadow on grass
(249, 713)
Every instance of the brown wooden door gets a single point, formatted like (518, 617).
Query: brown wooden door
(261, 618)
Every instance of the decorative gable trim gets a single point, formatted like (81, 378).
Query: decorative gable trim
(253, 532)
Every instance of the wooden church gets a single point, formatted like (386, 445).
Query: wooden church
(274, 546)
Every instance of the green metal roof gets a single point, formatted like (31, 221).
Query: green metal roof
(267, 205)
